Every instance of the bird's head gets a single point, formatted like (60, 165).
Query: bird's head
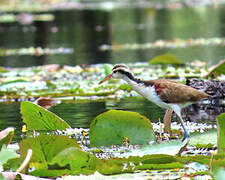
(118, 72)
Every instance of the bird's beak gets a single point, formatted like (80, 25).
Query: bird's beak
(105, 79)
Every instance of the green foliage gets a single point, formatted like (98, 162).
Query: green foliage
(6, 136)
(125, 87)
(107, 68)
(159, 159)
(221, 133)
(38, 118)
(165, 59)
(2, 177)
(217, 70)
(75, 158)
(198, 139)
(4, 85)
(50, 85)
(114, 127)
(160, 166)
(219, 173)
(45, 147)
(6, 154)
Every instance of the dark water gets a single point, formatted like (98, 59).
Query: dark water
(79, 114)
(86, 30)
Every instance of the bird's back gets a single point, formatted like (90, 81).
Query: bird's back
(173, 92)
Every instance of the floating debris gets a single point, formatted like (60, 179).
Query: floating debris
(35, 51)
(168, 44)
(25, 18)
(40, 6)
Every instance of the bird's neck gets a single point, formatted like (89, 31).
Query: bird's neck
(131, 80)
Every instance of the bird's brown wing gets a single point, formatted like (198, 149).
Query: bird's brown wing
(172, 92)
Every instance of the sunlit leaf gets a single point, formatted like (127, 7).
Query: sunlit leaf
(114, 126)
(199, 139)
(38, 118)
(108, 69)
(45, 148)
(6, 154)
(219, 173)
(165, 59)
(167, 148)
(6, 136)
(217, 70)
(76, 159)
(221, 133)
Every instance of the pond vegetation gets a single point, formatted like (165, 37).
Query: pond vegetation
(120, 139)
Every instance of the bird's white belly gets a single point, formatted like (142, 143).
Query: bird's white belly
(150, 94)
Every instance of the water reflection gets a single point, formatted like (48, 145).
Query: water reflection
(86, 30)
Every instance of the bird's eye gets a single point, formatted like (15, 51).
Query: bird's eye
(114, 72)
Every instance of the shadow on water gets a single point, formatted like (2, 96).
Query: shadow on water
(79, 114)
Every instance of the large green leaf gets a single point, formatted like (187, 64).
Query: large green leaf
(165, 59)
(115, 126)
(6, 136)
(221, 133)
(45, 148)
(38, 118)
(76, 159)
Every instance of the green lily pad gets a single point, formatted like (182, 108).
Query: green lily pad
(6, 154)
(6, 136)
(167, 148)
(165, 59)
(38, 118)
(199, 139)
(218, 69)
(45, 148)
(76, 159)
(108, 69)
(221, 133)
(115, 126)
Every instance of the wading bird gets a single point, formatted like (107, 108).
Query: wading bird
(164, 93)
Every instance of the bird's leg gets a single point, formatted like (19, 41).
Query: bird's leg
(186, 133)
(177, 110)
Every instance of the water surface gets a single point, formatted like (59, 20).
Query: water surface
(79, 114)
(86, 30)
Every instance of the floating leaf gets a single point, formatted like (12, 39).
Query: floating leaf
(114, 126)
(12, 82)
(160, 166)
(6, 154)
(38, 118)
(51, 172)
(218, 69)
(167, 148)
(3, 70)
(6, 136)
(219, 173)
(76, 159)
(165, 59)
(45, 148)
(199, 139)
(221, 133)
(125, 87)
(108, 69)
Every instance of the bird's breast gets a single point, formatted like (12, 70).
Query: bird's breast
(149, 93)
